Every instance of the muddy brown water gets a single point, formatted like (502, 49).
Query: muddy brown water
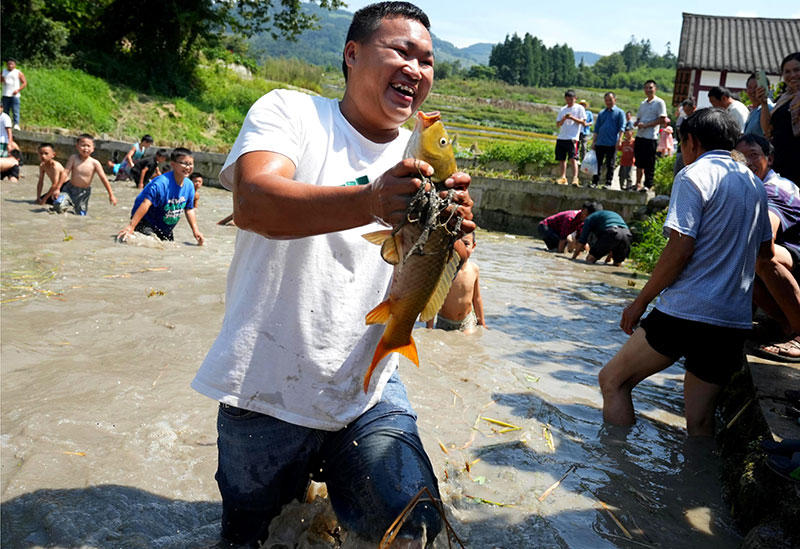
(105, 445)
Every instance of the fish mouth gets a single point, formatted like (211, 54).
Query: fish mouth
(404, 89)
(428, 119)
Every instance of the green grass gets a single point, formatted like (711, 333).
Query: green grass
(209, 119)
(649, 242)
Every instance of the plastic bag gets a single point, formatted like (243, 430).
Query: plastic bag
(589, 164)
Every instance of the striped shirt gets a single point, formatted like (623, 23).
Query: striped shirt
(783, 197)
(722, 205)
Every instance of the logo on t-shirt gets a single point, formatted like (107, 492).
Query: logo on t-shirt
(173, 209)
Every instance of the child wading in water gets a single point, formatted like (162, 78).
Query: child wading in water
(48, 165)
(81, 169)
(463, 307)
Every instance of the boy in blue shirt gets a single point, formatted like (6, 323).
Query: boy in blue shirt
(718, 227)
(158, 207)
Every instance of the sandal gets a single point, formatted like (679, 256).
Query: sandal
(786, 467)
(787, 351)
(786, 447)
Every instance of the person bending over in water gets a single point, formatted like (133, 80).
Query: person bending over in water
(74, 185)
(463, 307)
(49, 166)
(158, 207)
(703, 280)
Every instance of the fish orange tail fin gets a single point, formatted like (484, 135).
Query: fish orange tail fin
(408, 350)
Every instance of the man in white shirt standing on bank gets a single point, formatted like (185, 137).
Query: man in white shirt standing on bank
(570, 121)
(13, 83)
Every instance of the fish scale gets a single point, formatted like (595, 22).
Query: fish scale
(420, 248)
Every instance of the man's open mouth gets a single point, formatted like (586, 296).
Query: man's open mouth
(404, 89)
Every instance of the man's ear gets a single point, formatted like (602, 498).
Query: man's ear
(351, 53)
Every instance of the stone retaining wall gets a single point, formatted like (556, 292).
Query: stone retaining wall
(208, 164)
(506, 205)
(517, 206)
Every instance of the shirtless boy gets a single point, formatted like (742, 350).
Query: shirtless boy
(80, 170)
(463, 307)
(197, 180)
(49, 166)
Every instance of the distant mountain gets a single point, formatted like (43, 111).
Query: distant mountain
(589, 58)
(324, 46)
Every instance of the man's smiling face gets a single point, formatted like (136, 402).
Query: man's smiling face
(390, 73)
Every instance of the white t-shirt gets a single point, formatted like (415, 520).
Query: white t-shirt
(294, 344)
(739, 112)
(650, 110)
(570, 129)
(10, 82)
(5, 123)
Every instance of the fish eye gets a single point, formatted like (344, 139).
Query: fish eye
(443, 141)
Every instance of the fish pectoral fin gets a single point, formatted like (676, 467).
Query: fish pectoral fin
(380, 314)
(378, 237)
(442, 288)
(389, 241)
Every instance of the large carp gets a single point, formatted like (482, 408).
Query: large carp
(420, 248)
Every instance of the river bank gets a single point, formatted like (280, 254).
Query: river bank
(105, 445)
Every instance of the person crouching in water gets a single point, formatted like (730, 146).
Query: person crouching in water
(463, 307)
(703, 280)
(158, 207)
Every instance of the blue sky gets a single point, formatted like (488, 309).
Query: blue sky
(600, 27)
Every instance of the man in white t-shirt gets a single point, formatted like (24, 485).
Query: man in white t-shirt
(570, 122)
(651, 115)
(721, 98)
(703, 279)
(13, 83)
(309, 177)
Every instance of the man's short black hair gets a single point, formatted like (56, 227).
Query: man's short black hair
(650, 82)
(713, 128)
(761, 141)
(45, 145)
(147, 138)
(592, 206)
(718, 92)
(162, 153)
(569, 93)
(612, 94)
(11, 60)
(367, 20)
(629, 112)
(196, 174)
(85, 136)
(689, 102)
(176, 154)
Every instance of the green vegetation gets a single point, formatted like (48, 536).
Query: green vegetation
(532, 153)
(208, 119)
(662, 181)
(649, 242)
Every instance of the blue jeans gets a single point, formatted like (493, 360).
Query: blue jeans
(372, 468)
(11, 103)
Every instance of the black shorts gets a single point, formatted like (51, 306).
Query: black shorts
(150, 230)
(795, 260)
(614, 240)
(644, 150)
(10, 172)
(566, 149)
(713, 353)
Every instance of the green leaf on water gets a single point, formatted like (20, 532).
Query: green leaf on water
(67, 237)
(532, 379)
(479, 480)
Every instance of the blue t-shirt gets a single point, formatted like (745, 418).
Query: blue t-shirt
(587, 129)
(169, 200)
(608, 126)
(722, 205)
